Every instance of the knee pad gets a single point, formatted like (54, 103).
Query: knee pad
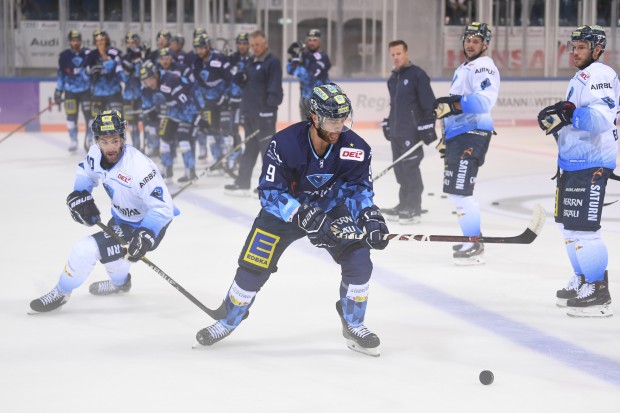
(251, 280)
(82, 259)
(118, 270)
(164, 147)
(356, 266)
(184, 146)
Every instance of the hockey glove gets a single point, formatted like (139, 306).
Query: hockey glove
(294, 51)
(316, 224)
(373, 224)
(426, 131)
(142, 241)
(385, 125)
(83, 208)
(128, 66)
(447, 106)
(200, 123)
(441, 148)
(553, 118)
(57, 96)
(240, 78)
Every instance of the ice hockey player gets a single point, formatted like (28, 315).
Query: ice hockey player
(104, 67)
(310, 65)
(180, 118)
(315, 174)
(584, 126)
(468, 128)
(142, 209)
(72, 80)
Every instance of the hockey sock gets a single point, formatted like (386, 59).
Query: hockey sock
(82, 259)
(73, 130)
(592, 255)
(117, 271)
(570, 245)
(354, 303)
(237, 302)
(189, 160)
(468, 213)
(164, 153)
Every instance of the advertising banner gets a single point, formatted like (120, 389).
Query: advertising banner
(19, 101)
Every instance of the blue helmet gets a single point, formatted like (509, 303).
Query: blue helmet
(477, 29)
(108, 122)
(332, 107)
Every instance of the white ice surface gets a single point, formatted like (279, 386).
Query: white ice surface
(439, 324)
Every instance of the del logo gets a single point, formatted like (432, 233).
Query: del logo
(585, 76)
(352, 153)
(124, 178)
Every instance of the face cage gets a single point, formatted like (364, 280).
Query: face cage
(336, 125)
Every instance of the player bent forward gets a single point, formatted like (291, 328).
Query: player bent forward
(584, 126)
(315, 174)
(141, 211)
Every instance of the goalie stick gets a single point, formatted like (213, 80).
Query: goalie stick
(215, 314)
(400, 158)
(215, 164)
(526, 237)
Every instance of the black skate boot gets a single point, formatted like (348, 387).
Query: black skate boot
(474, 255)
(409, 218)
(570, 291)
(592, 300)
(190, 175)
(359, 338)
(212, 334)
(236, 190)
(107, 288)
(49, 302)
(391, 214)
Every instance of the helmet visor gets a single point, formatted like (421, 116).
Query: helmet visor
(336, 125)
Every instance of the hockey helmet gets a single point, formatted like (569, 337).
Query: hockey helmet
(202, 40)
(179, 39)
(477, 29)
(242, 38)
(594, 35)
(164, 33)
(132, 37)
(74, 34)
(108, 122)
(147, 70)
(99, 33)
(199, 30)
(332, 107)
(165, 51)
(314, 33)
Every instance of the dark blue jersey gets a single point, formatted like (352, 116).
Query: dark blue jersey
(238, 63)
(294, 174)
(312, 71)
(176, 93)
(131, 77)
(71, 71)
(212, 77)
(108, 81)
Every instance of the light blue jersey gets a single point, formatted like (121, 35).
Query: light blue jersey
(478, 84)
(592, 139)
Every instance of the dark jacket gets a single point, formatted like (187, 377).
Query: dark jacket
(411, 101)
(262, 92)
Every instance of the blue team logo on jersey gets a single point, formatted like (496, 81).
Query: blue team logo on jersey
(485, 83)
(158, 193)
(610, 102)
(77, 61)
(108, 190)
(318, 180)
(204, 75)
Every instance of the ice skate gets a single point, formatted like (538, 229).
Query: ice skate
(592, 300)
(391, 214)
(236, 190)
(212, 334)
(570, 291)
(474, 255)
(359, 338)
(73, 147)
(107, 288)
(49, 302)
(190, 175)
(408, 218)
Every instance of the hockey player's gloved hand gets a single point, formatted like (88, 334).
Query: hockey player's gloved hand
(128, 66)
(553, 118)
(96, 70)
(294, 51)
(426, 131)
(83, 208)
(142, 241)
(373, 224)
(447, 106)
(441, 148)
(57, 96)
(385, 125)
(316, 224)
(240, 78)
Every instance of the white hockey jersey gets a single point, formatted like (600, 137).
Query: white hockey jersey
(592, 139)
(138, 192)
(478, 82)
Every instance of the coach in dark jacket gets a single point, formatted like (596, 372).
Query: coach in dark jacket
(411, 121)
(262, 94)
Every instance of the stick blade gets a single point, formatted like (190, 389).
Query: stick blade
(539, 216)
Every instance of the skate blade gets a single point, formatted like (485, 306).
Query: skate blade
(594, 311)
(240, 193)
(463, 262)
(197, 346)
(561, 302)
(373, 352)
(30, 311)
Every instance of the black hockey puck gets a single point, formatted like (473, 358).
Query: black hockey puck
(444, 196)
(486, 377)
(494, 203)
(431, 194)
